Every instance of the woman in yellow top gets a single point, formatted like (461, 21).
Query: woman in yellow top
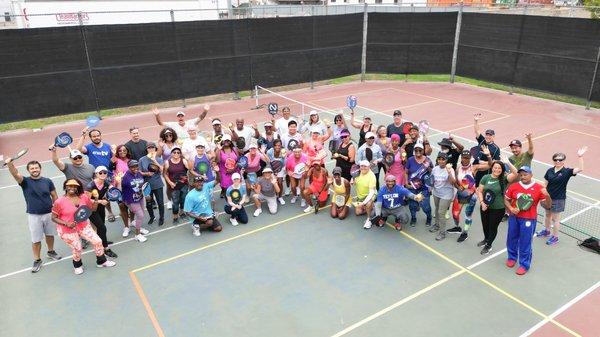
(340, 201)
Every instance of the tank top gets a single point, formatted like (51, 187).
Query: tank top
(176, 170)
(341, 163)
(253, 163)
(362, 133)
(339, 190)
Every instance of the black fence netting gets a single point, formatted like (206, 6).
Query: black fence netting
(546, 53)
(410, 43)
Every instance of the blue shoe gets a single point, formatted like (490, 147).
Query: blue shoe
(543, 233)
(552, 241)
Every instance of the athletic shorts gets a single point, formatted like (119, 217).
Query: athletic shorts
(558, 206)
(40, 225)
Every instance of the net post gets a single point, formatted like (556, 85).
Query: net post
(363, 60)
(589, 97)
(312, 53)
(256, 95)
(456, 40)
(89, 64)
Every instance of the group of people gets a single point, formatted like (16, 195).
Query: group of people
(286, 160)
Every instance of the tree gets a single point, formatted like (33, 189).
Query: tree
(593, 6)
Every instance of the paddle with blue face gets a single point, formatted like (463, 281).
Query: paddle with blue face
(92, 121)
(351, 102)
(113, 194)
(63, 140)
(82, 213)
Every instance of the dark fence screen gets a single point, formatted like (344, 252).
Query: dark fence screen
(45, 72)
(538, 52)
(410, 43)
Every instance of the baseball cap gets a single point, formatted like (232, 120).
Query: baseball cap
(252, 146)
(390, 177)
(216, 122)
(191, 128)
(442, 155)
(344, 133)
(151, 144)
(267, 170)
(198, 178)
(418, 146)
(466, 153)
(395, 137)
(180, 113)
(133, 163)
(226, 137)
(315, 129)
(490, 132)
(312, 112)
(200, 145)
(236, 176)
(369, 135)
(414, 127)
(515, 142)
(268, 124)
(525, 169)
(100, 169)
(75, 153)
(397, 113)
(364, 163)
(336, 170)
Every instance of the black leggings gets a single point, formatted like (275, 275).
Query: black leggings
(490, 220)
(158, 197)
(97, 219)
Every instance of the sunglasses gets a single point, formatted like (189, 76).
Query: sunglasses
(175, 152)
(343, 136)
(103, 172)
(77, 157)
(558, 159)
(168, 135)
(417, 150)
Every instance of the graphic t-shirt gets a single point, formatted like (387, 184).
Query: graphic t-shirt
(131, 187)
(99, 156)
(241, 189)
(199, 202)
(533, 190)
(394, 198)
(493, 184)
(418, 173)
(266, 187)
(442, 188)
(524, 159)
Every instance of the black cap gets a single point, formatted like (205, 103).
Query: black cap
(151, 144)
(445, 142)
(133, 163)
(466, 153)
(397, 113)
(515, 142)
(442, 155)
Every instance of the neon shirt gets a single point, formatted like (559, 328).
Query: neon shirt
(394, 198)
(364, 183)
(534, 191)
(199, 202)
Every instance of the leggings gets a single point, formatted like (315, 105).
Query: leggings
(425, 205)
(441, 207)
(178, 197)
(238, 214)
(490, 219)
(158, 197)
(457, 208)
(73, 240)
(97, 219)
(137, 208)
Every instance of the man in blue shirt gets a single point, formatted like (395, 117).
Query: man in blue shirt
(198, 206)
(391, 200)
(40, 194)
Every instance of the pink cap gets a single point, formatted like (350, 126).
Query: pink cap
(395, 137)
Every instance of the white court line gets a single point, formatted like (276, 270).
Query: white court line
(582, 211)
(560, 310)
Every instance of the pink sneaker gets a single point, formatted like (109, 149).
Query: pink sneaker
(510, 263)
(521, 271)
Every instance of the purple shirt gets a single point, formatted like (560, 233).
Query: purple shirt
(131, 187)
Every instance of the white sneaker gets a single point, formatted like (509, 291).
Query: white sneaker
(78, 270)
(302, 203)
(293, 200)
(196, 231)
(233, 221)
(309, 209)
(287, 191)
(144, 231)
(281, 201)
(258, 211)
(107, 263)
(141, 238)
(169, 204)
(125, 232)
(298, 191)
(367, 224)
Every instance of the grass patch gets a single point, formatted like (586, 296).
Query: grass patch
(41, 122)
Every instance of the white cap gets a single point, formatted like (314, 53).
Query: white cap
(216, 122)
(100, 169)
(364, 163)
(313, 112)
(252, 145)
(75, 153)
(267, 169)
(236, 176)
(180, 113)
(268, 124)
(315, 129)
(225, 137)
(369, 135)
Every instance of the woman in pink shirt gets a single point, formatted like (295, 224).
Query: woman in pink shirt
(71, 232)
(397, 169)
(314, 147)
(254, 156)
(226, 157)
(120, 160)
(297, 176)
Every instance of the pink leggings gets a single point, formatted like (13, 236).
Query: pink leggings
(73, 240)
(138, 209)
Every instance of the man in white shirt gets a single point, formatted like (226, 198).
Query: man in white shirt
(281, 125)
(247, 132)
(188, 148)
(181, 125)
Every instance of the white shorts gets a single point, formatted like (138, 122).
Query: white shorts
(271, 202)
(40, 225)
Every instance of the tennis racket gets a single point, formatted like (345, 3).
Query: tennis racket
(272, 109)
(18, 155)
(276, 165)
(406, 126)
(354, 171)
(92, 121)
(389, 159)
(240, 143)
(242, 162)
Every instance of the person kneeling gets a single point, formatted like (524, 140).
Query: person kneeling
(365, 185)
(236, 198)
(317, 188)
(340, 201)
(198, 206)
(391, 200)
(266, 189)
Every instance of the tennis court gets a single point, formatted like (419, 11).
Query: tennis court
(305, 274)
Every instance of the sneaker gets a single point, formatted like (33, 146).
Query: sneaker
(196, 231)
(510, 263)
(481, 243)
(543, 233)
(455, 230)
(552, 240)
(107, 263)
(447, 215)
(434, 229)
(428, 223)
(141, 238)
(367, 224)
(161, 222)
(486, 250)
(398, 226)
(258, 211)
(413, 222)
(78, 270)
(281, 201)
(287, 191)
(233, 221)
(169, 205)
(302, 203)
(37, 265)
(441, 236)
(144, 231)
(175, 221)
(521, 271)
(150, 221)
(110, 253)
(463, 236)
(309, 209)
(53, 255)
(293, 200)
(125, 232)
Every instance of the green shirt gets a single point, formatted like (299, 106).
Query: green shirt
(493, 184)
(524, 159)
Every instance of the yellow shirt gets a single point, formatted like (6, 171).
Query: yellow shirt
(340, 191)
(364, 183)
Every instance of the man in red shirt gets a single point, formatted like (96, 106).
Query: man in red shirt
(521, 200)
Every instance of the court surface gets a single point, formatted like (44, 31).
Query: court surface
(296, 274)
